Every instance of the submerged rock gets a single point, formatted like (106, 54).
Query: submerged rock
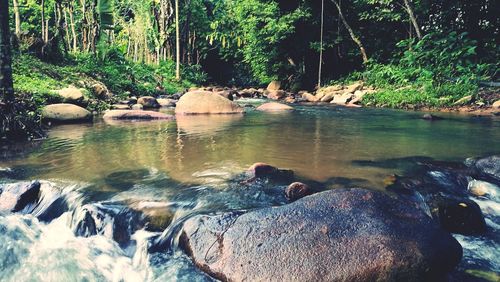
(297, 190)
(263, 170)
(65, 113)
(203, 102)
(19, 196)
(431, 117)
(136, 115)
(338, 235)
(113, 221)
(274, 107)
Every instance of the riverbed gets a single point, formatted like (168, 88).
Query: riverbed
(183, 167)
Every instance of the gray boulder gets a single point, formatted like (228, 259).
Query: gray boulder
(488, 166)
(338, 235)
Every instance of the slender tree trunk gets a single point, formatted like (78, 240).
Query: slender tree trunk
(321, 43)
(177, 43)
(351, 32)
(85, 29)
(66, 28)
(43, 21)
(71, 10)
(6, 84)
(413, 19)
(17, 17)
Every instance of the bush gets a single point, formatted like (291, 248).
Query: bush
(436, 71)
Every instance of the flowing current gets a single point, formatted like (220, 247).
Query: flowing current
(169, 171)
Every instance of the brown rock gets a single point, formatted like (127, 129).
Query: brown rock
(276, 94)
(202, 102)
(337, 235)
(354, 87)
(148, 102)
(271, 107)
(65, 113)
(297, 190)
(496, 105)
(136, 115)
(309, 97)
(274, 85)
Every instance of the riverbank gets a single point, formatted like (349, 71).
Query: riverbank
(115, 83)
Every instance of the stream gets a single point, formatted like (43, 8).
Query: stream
(173, 170)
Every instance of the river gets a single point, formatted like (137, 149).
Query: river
(180, 168)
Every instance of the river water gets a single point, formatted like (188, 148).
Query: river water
(180, 168)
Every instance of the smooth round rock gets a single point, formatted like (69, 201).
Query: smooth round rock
(274, 107)
(65, 113)
(203, 102)
(337, 235)
(136, 115)
(297, 190)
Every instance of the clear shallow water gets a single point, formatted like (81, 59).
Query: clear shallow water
(179, 168)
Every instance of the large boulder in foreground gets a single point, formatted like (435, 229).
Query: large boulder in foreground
(136, 115)
(65, 113)
(274, 107)
(339, 235)
(204, 102)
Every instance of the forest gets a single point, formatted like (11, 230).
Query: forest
(249, 140)
(416, 53)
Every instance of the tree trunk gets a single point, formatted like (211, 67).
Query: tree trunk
(17, 17)
(71, 10)
(6, 84)
(321, 43)
(43, 21)
(413, 19)
(351, 33)
(177, 43)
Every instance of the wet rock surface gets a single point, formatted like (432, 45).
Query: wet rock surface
(136, 115)
(111, 220)
(16, 197)
(297, 190)
(487, 166)
(263, 170)
(340, 235)
(447, 188)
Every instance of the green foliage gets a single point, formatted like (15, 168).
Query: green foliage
(436, 71)
(121, 76)
(255, 31)
(105, 9)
